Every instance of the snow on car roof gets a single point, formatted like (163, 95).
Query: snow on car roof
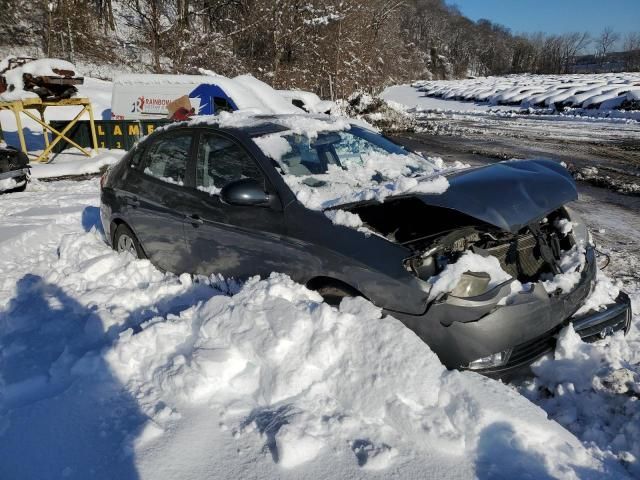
(299, 123)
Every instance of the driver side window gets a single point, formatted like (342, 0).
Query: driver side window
(221, 161)
(166, 159)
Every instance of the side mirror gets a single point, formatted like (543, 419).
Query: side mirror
(247, 192)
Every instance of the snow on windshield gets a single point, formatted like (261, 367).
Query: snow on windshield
(330, 164)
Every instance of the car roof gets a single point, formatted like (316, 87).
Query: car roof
(250, 124)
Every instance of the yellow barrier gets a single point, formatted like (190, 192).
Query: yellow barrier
(27, 104)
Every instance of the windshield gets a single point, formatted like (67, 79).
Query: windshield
(345, 165)
(346, 150)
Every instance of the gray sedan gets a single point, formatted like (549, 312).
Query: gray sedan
(485, 265)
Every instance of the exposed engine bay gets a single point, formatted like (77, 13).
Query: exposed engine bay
(532, 253)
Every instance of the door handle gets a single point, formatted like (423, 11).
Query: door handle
(132, 201)
(195, 220)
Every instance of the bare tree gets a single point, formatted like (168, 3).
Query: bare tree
(573, 43)
(632, 51)
(151, 19)
(607, 39)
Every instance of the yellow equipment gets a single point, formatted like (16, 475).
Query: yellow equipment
(28, 104)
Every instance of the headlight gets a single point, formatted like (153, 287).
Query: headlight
(471, 284)
(580, 231)
(496, 360)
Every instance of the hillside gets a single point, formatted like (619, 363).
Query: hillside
(330, 47)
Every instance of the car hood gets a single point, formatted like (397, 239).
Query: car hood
(508, 194)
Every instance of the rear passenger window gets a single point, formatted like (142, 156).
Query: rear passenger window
(166, 159)
(221, 161)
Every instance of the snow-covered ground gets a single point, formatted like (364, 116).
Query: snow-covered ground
(112, 369)
(595, 94)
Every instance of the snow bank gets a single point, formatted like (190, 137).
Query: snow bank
(309, 382)
(592, 389)
(72, 165)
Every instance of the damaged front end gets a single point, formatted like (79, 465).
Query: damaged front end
(496, 320)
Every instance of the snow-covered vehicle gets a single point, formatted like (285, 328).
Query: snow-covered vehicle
(485, 264)
(584, 91)
(14, 169)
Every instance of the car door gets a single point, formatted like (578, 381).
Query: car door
(235, 241)
(155, 199)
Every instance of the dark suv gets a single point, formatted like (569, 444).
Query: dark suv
(347, 212)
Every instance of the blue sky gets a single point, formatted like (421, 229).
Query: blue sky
(556, 16)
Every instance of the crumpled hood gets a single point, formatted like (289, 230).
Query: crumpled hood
(508, 194)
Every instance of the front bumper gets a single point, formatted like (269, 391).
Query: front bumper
(461, 332)
(591, 327)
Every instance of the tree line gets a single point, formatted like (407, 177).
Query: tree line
(332, 47)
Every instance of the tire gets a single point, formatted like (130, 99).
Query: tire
(124, 240)
(333, 294)
(22, 188)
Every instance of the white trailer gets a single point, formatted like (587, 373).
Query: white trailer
(137, 97)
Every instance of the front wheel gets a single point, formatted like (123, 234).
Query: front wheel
(124, 240)
(22, 187)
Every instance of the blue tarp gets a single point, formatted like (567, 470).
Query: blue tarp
(206, 94)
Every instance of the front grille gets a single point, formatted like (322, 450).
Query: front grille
(521, 258)
(599, 331)
(523, 355)
(527, 352)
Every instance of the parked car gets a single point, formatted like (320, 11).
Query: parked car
(14, 169)
(205, 198)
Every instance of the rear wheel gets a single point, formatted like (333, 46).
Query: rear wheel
(124, 240)
(333, 294)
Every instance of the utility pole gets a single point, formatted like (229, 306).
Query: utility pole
(50, 7)
(71, 52)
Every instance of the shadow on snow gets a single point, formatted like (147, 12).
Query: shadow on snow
(63, 414)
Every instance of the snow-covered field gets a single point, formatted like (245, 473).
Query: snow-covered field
(112, 369)
(595, 94)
